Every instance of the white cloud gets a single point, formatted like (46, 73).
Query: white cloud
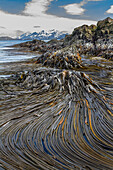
(86, 1)
(74, 9)
(110, 11)
(95, 0)
(36, 8)
(35, 14)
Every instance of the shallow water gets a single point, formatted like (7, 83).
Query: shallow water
(8, 55)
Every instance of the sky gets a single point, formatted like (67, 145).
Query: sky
(20, 16)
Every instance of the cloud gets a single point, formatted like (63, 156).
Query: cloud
(110, 11)
(36, 16)
(37, 26)
(95, 0)
(18, 33)
(86, 1)
(74, 9)
(36, 8)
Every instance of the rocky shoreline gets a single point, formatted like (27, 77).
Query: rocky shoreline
(56, 110)
(86, 40)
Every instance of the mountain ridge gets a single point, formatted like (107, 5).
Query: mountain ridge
(43, 35)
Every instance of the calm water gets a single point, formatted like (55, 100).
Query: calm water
(8, 55)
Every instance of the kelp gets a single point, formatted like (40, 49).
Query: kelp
(55, 119)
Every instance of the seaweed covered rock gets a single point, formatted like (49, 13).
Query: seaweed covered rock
(40, 46)
(92, 40)
(63, 59)
(105, 27)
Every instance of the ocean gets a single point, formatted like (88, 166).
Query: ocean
(8, 55)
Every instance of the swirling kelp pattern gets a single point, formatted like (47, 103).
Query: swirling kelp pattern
(55, 119)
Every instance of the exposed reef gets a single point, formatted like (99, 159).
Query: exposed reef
(66, 59)
(40, 46)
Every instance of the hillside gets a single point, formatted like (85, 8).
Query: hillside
(5, 38)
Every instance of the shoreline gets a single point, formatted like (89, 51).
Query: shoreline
(57, 109)
(11, 68)
(8, 68)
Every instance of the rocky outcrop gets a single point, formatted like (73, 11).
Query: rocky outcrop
(93, 40)
(81, 34)
(40, 46)
(104, 28)
(62, 59)
(88, 40)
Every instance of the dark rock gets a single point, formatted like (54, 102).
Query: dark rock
(91, 40)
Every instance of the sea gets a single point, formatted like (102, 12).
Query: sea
(7, 54)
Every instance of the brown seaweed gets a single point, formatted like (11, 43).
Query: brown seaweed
(56, 119)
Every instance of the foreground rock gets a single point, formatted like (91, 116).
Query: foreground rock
(64, 59)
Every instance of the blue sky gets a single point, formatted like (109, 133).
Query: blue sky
(94, 10)
(43, 14)
(13, 6)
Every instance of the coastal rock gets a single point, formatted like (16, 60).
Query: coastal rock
(40, 46)
(106, 26)
(63, 59)
(92, 40)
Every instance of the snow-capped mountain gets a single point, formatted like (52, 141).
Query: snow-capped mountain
(43, 35)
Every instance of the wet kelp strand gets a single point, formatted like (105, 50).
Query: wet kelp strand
(56, 119)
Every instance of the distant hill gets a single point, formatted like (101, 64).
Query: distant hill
(43, 35)
(6, 38)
